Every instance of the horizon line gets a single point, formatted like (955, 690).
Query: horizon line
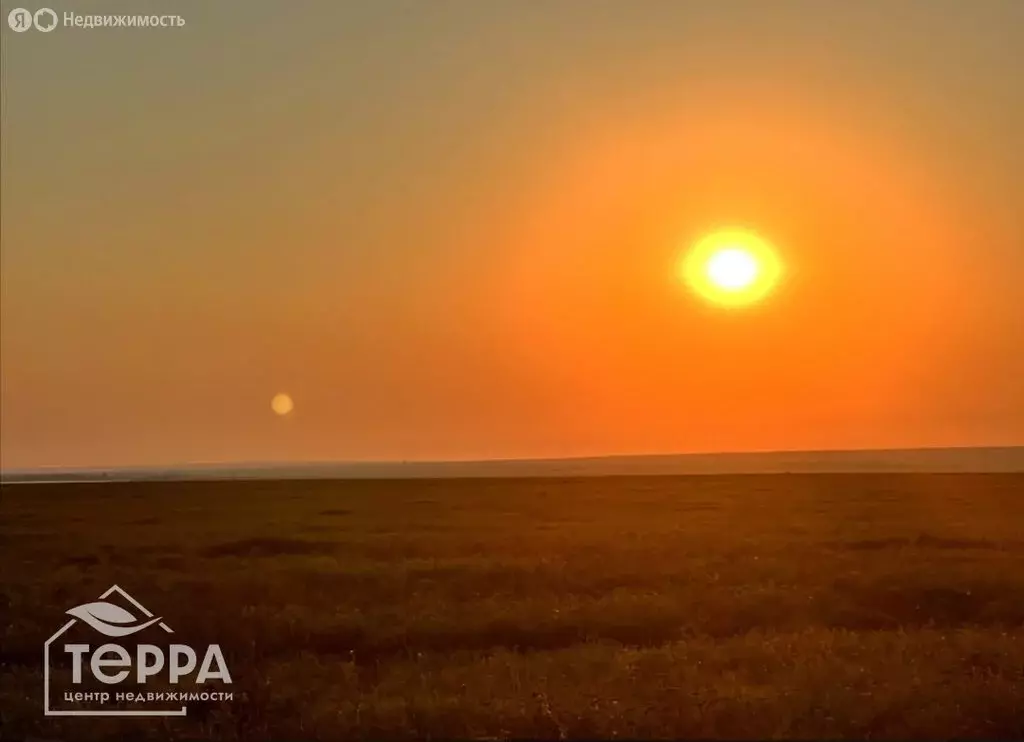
(469, 461)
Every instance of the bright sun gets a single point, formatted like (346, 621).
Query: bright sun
(732, 267)
(282, 404)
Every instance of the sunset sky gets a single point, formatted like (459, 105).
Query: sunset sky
(451, 229)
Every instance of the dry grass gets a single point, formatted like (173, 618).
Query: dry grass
(859, 606)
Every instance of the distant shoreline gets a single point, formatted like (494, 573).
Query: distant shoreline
(1006, 459)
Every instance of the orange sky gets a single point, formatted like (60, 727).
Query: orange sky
(451, 231)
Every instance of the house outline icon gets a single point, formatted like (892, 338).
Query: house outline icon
(47, 711)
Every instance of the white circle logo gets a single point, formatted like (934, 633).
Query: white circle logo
(45, 20)
(20, 20)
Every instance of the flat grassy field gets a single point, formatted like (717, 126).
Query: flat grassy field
(784, 606)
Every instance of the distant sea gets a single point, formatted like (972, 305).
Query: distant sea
(923, 460)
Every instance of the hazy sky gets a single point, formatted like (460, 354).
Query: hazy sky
(450, 229)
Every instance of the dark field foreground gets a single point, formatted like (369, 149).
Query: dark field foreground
(879, 606)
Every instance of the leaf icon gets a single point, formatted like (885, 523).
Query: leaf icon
(107, 612)
(109, 619)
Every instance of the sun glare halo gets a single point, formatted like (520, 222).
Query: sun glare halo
(732, 267)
